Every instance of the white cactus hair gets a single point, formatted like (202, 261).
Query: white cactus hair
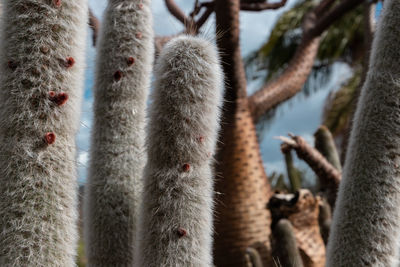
(175, 227)
(366, 220)
(41, 81)
(124, 64)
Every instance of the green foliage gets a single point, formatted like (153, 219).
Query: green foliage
(339, 108)
(341, 42)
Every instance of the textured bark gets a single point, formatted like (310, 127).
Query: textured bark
(295, 75)
(302, 211)
(241, 218)
(289, 82)
(329, 177)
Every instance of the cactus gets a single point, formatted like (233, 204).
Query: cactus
(41, 80)
(253, 258)
(124, 65)
(292, 172)
(366, 223)
(324, 219)
(325, 144)
(175, 227)
(285, 245)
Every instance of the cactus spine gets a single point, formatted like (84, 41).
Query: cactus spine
(42, 67)
(175, 226)
(124, 65)
(366, 221)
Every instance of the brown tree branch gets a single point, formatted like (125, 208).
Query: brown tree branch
(204, 17)
(94, 24)
(175, 11)
(261, 6)
(328, 175)
(295, 75)
(191, 25)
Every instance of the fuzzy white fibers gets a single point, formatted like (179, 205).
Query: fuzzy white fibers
(117, 155)
(42, 61)
(175, 227)
(366, 221)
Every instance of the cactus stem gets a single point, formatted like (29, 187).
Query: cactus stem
(186, 167)
(130, 61)
(182, 232)
(117, 75)
(139, 35)
(50, 138)
(70, 62)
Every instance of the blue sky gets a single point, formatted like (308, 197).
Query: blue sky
(300, 115)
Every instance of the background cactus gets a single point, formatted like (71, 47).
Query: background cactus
(325, 144)
(117, 152)
(175, 226)
(284, 245)
(366, 222)
(292, 172)
(41, 80)
(253, 258)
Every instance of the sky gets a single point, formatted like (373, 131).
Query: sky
(301, 115)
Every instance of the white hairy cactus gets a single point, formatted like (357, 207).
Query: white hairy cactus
(124, 64)
(42, 53)
(175, 227)
(366, 221)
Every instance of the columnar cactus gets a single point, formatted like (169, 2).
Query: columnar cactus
(292, 171)
(175, 226)
(117, 159)
(40, 91)
(366, 220)
(325, 144)
(284, 245)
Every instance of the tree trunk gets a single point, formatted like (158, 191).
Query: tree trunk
(242, 219)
